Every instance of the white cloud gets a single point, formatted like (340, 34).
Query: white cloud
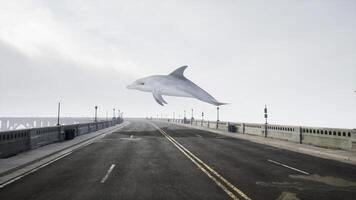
(296, 56)
(36, 31)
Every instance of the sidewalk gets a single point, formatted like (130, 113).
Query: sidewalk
(30, 160)
(332, 154)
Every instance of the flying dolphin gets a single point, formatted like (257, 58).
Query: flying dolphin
(174, 84)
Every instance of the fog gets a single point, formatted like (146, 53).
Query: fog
(298, 57)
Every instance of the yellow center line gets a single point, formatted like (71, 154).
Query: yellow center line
(201, 166)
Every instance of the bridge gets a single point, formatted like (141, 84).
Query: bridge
(177, 159)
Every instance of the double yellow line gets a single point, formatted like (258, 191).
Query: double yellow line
(224, 184)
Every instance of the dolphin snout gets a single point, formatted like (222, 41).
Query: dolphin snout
(131, 86)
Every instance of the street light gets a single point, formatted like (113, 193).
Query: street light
(217, 117)
(217, 114)
(266, 115)
(96, 114)
(59, 112)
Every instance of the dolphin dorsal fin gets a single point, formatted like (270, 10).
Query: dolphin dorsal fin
(179, 73)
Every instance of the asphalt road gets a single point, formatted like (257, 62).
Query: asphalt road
(157, 160)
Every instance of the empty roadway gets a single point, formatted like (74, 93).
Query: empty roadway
(141, 162)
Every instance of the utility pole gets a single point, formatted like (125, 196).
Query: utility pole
(59, 113)
(217, 114)
(217, 117)
(96, 114)
(266, 115)
(266, 123)
(202, 118)
(191, 121)
(113, 113)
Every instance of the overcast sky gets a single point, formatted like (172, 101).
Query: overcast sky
(298, 57)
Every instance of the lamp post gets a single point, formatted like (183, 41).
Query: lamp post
(217, 117)
(202, 118)
(113, 113)
(191, 121)
(59, 112)
(266, 115)
(217, 114)
(96, 114)
(266, 123)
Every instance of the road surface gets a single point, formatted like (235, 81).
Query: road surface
(158, 160)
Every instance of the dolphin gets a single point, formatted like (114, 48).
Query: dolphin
(174, 84)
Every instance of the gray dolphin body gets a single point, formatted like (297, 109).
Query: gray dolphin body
(174, 84)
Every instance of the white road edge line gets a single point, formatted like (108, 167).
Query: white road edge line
(34, 170)
(76, 147)
(289, 167)
(108, 173)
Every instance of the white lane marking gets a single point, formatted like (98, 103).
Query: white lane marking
(76, 147)
(198, 135)
(108, 173)
(207, 170)
(289, 167)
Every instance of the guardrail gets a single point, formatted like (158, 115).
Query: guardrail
(16, 141)
(335, 138)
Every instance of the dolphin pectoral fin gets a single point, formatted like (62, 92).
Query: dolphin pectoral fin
(165, 102)
(159, 99)
(179, 73)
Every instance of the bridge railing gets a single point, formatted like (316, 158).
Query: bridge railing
(16, 141)
(335, 138)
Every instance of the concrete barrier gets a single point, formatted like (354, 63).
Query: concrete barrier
(334, 138)
(327, 137)
(16, 141)
(353, 140)
(12, 142)
(290, 133)
(222, 126)
(253, 129)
